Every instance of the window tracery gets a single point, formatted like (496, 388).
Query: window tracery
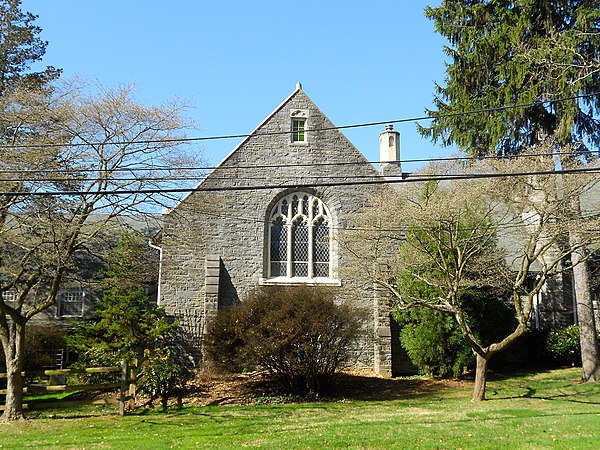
(300, 238)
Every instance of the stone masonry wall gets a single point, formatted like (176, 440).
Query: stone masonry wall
(231, 224)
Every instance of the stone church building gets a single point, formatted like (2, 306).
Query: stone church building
(268, 215)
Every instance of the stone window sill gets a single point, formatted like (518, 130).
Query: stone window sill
(284, 281)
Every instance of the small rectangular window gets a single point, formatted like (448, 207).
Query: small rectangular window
(298, 130)
(70, 303)
(9, 297)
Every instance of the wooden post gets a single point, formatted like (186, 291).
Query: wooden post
(133, 383)
(124, 385)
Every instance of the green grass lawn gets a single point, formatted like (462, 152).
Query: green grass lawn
(545, 410)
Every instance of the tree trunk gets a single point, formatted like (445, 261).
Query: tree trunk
(588, 340)
(14, 379)
(480, 378)
(590, 358)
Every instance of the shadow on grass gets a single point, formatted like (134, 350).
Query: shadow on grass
(363, 388)
(544, 384)
(253, 389)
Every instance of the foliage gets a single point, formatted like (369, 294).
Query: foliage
(125, 324)
(530, 70)
(543, 54)
(432, 338)
(127, 321)
(224, 341)
(434, 342)
(128, 325)
(159, 375)
(130, 265)
(563, 345)
(430, 244)
(25, 116)
(118, 145)
(299, 335)
(21, 46)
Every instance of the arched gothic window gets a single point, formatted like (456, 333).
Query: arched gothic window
(299, 238)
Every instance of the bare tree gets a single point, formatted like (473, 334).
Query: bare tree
(543, 56)
(447, 236)
(76, 163)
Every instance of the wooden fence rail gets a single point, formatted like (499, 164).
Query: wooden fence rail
(127, 387)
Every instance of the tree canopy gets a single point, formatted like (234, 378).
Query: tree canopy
(20, 47)
(127, 320)
(90, 159)
(503, 54)
(430, 243)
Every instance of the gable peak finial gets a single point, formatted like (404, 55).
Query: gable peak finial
(298, 86)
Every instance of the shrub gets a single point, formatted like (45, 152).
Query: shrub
(226, 337)
(298, 335)
(127, 322)
(433, 340)
(434, 343)
(563, 345)
(41, 344)
(159, 375)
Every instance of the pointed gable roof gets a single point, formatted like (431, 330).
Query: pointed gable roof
(269, 144)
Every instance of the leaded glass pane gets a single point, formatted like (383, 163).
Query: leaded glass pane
(278, 269)
(315, 208)
(278, 248)
(305, 205)
(321, 248)
(306, 252)
(300, 249)
(321, 269)
(299, 269)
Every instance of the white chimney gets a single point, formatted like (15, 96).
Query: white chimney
(389, 151)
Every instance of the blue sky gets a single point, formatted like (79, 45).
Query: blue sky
(235, 61)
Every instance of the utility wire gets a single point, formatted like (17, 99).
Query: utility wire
(274, 166)
(213, 179)
(314, 130)
(515, 223)
(389, 180)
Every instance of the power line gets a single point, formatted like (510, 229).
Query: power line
(514, 223)
(270, 166)
(421, 178)
(275, 133)
(195, 179)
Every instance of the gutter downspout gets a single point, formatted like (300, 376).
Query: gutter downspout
(160, 262)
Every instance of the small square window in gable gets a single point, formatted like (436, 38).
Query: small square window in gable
(298, 119)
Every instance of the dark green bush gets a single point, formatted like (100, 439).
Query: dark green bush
(298, 335)
(433, 340)
(127, 323)
(434, 343)
(563, 345)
